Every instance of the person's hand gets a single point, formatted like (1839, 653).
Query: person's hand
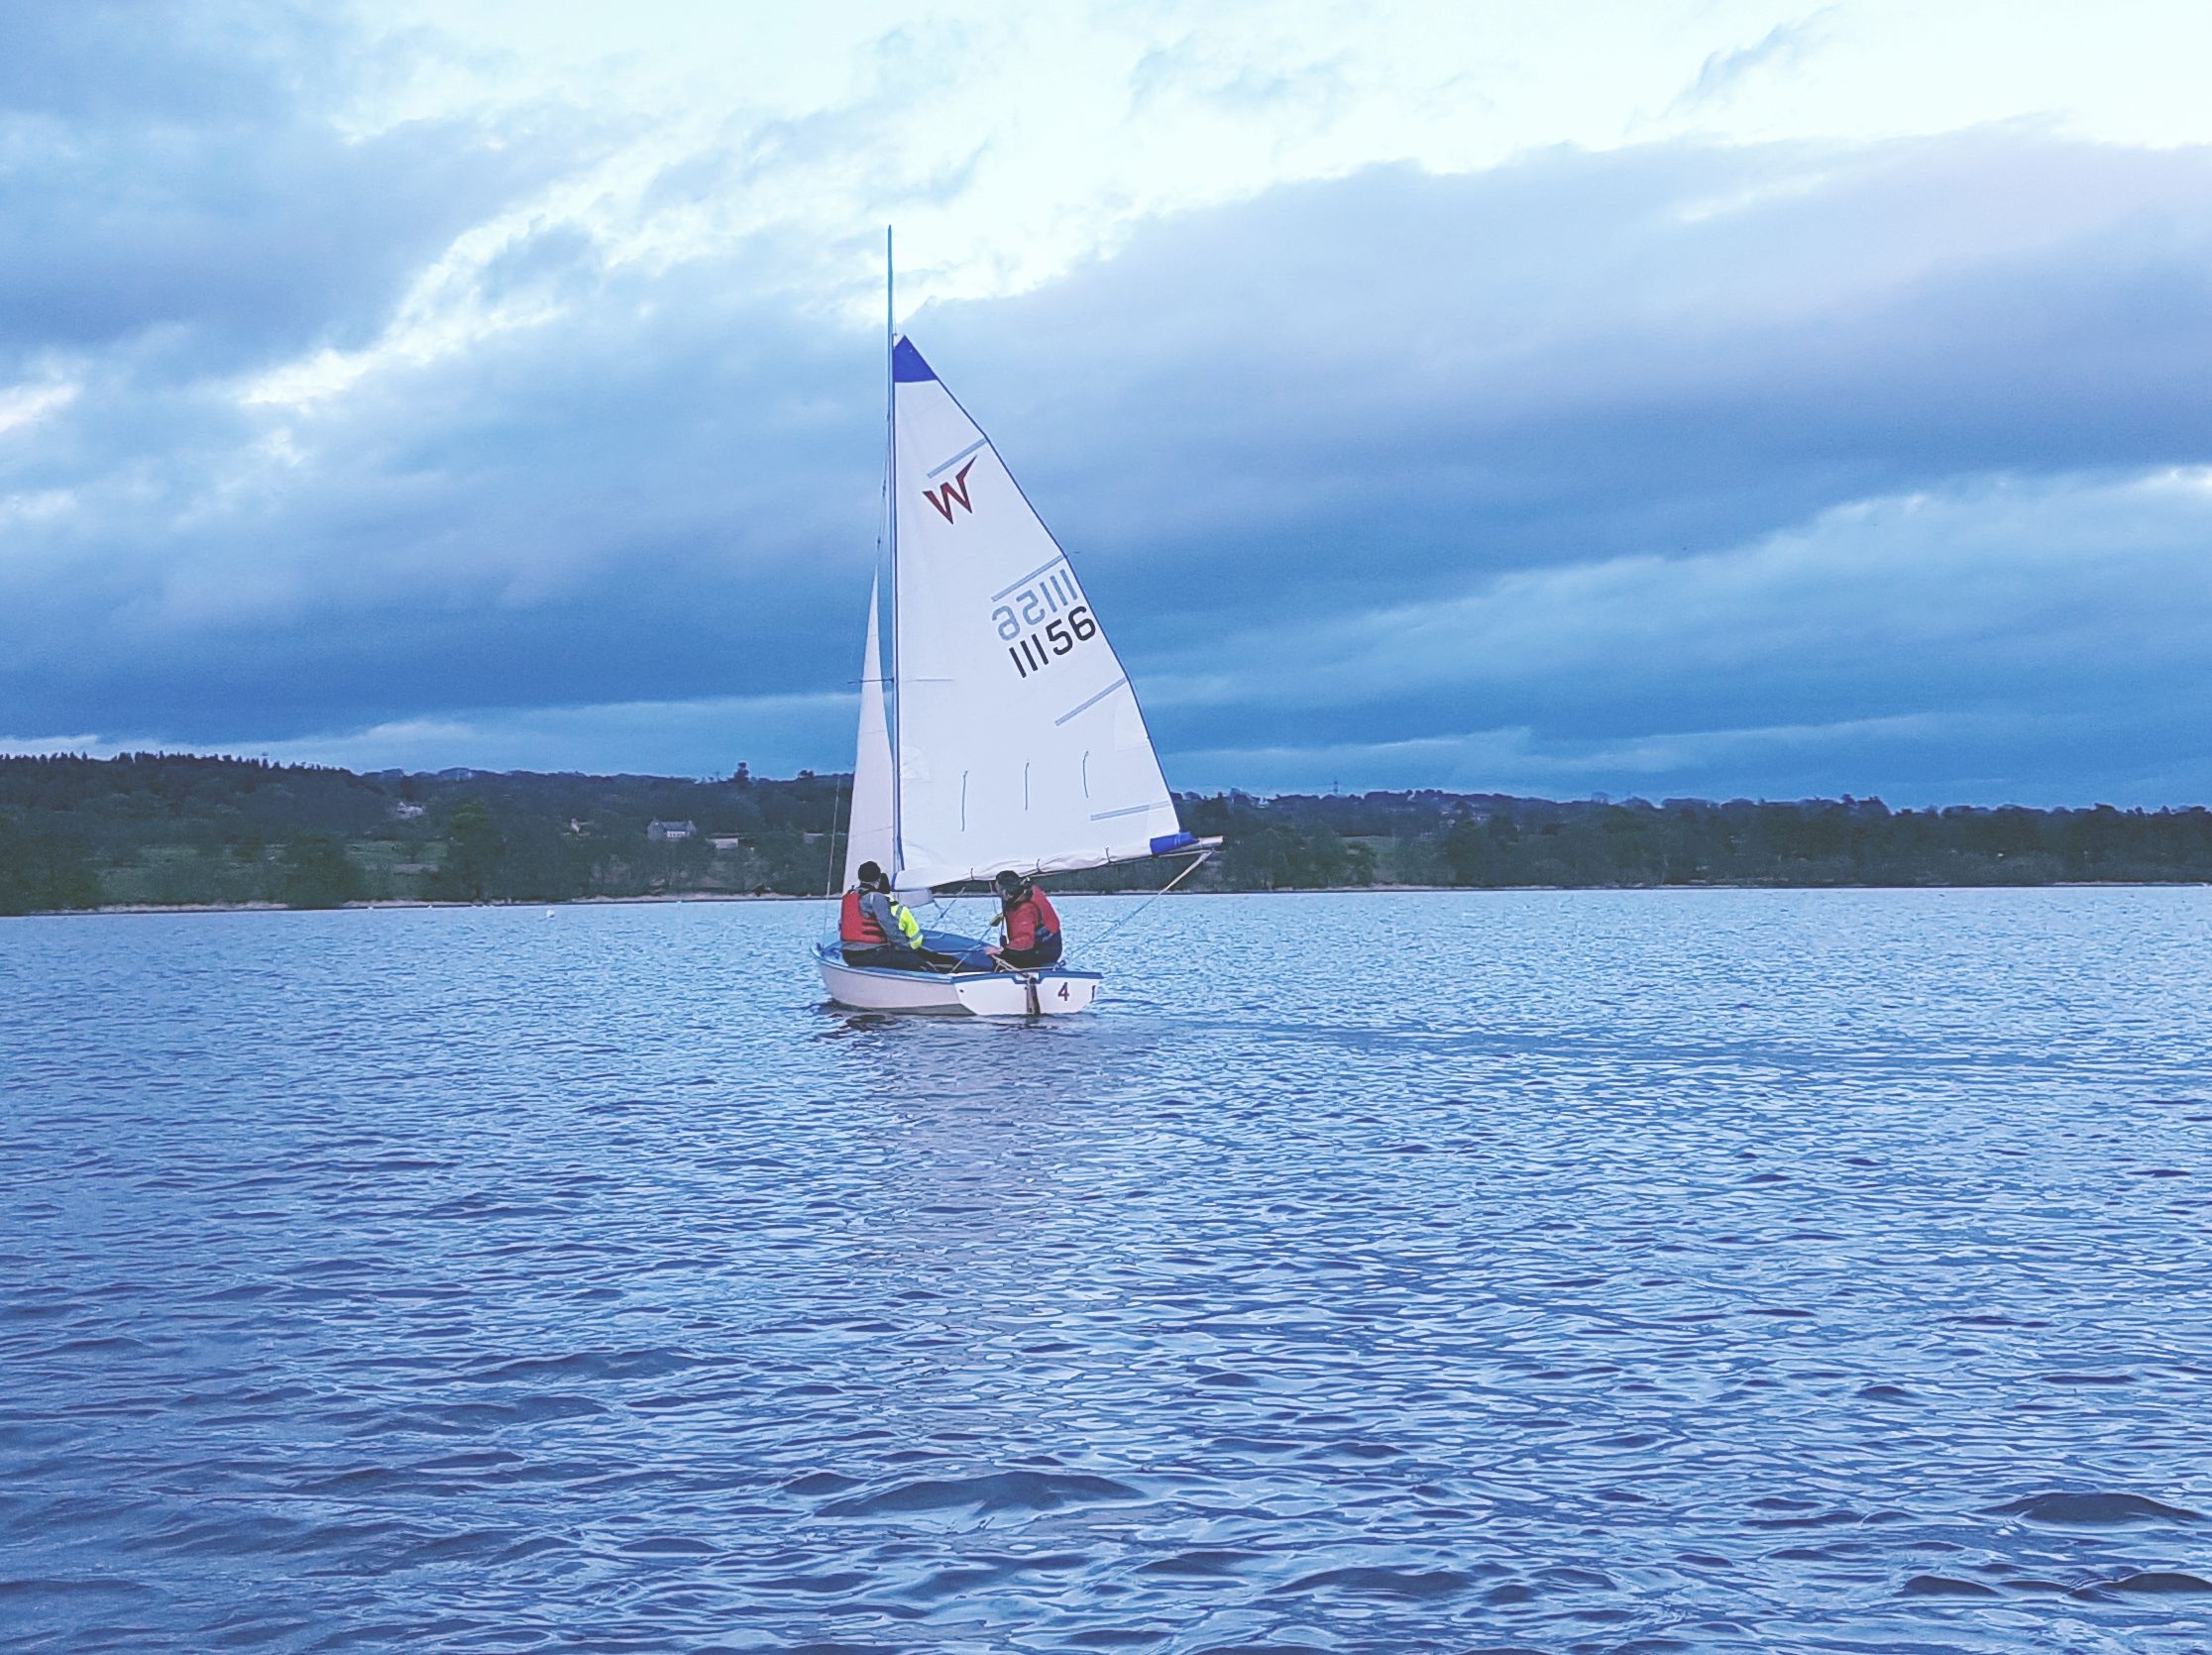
(994, 951)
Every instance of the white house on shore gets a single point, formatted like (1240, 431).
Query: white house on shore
(662, 832)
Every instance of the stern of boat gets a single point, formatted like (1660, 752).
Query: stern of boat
(1027, 993)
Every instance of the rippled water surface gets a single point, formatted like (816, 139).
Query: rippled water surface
(1733, 1270)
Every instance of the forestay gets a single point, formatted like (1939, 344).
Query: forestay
(1018, 740)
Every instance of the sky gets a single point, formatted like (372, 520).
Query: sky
(1684, 397)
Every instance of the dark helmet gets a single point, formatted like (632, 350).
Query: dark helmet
(1011, 885)
(870, 875)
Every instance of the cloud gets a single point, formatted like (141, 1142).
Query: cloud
(1625, 451)
(174, 185)
(1786, 42)
(2005, 641)
(23, 403)
(775, 735)
(1911, 588)
(1520, 760)
(1914, 761)
(1560, 361)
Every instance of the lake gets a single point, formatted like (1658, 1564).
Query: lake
(1550, 1271)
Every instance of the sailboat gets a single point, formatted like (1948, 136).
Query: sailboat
(998, 729)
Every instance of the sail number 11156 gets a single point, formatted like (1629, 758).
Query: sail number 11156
(1043, 623)
(1058, 637)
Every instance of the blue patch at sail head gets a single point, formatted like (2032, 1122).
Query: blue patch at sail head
(907, 366)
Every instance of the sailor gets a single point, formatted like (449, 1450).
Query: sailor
(876, 928)
(1033, 930)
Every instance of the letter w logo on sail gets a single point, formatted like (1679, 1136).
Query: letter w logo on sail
(946, 495)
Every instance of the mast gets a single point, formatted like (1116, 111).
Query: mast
(890, 669)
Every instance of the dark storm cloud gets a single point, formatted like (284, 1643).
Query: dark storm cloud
(653, 495)
(566, 513)
(1591, 356)
(1402, 389)
(1905, 641)
(1593, 416)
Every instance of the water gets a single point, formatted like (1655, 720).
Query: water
(1731, 1271)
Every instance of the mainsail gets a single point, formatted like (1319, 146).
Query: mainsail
(1013, 738)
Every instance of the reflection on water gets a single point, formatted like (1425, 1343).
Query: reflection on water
(1556, 1270)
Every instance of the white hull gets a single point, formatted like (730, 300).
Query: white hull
(1057, 990)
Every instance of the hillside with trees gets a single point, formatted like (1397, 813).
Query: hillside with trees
(176, 830)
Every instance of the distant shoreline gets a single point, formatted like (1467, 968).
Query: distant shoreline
(178, 833)
(142, 908)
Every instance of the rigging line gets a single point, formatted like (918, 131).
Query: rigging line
(1202, 858)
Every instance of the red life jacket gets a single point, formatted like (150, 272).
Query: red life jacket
(1030, 920)
(857, 926)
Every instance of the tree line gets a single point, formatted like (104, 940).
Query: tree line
(1496, 841)
(181, 829)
